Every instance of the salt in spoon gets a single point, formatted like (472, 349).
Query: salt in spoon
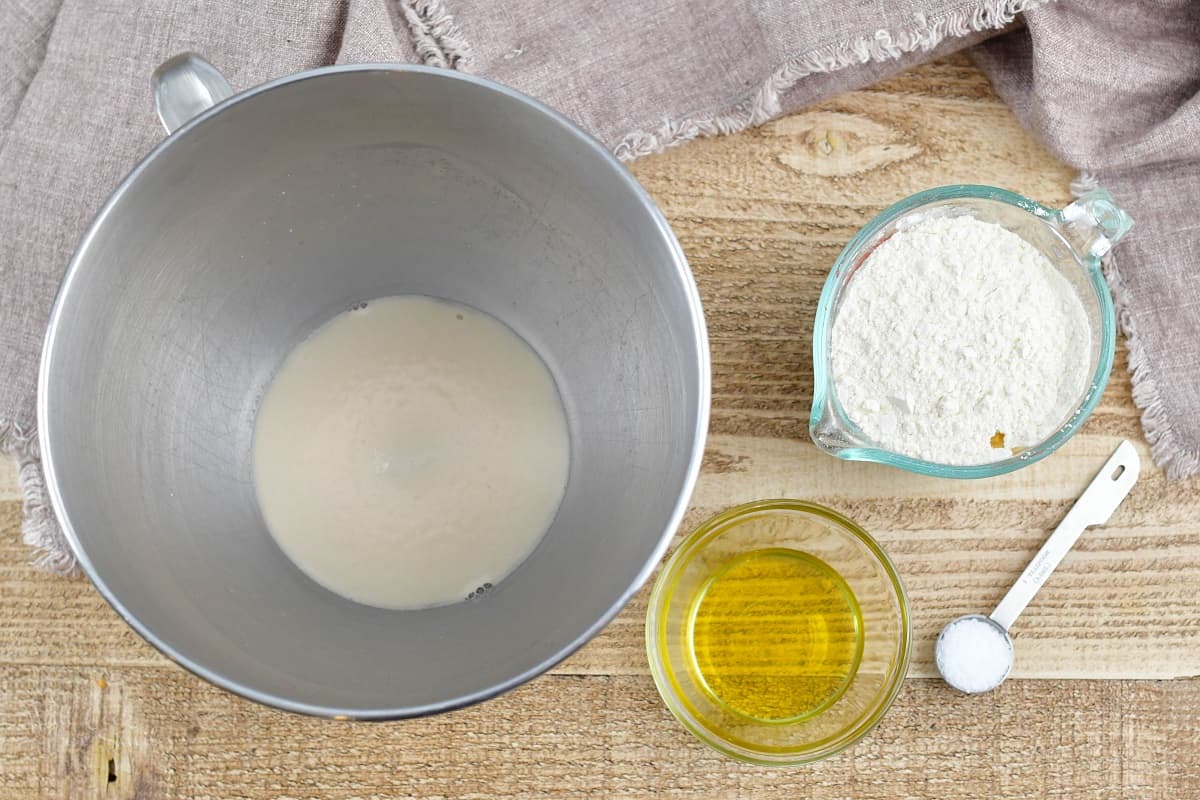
(975, 653)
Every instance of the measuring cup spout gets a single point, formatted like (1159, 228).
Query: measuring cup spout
(827, 429)
(1093, 224)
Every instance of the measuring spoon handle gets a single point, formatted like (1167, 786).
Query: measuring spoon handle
(1097, 503)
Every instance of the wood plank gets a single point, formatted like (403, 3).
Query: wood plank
(1110, 611)
(561, 737)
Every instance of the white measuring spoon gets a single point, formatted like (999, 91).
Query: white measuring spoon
(975, 653)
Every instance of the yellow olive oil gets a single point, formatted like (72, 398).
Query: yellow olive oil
(775, 635)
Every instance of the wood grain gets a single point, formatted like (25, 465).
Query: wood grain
(562, 737)
(88, 710)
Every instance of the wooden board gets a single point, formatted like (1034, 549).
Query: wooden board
(761, 215)
(562, 737)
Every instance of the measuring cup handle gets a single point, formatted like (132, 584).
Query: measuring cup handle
(1094, 223)
(184, 86)
(1097, 503)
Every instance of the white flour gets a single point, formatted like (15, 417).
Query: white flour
(955, 330)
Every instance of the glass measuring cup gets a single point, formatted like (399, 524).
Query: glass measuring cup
(1074, 239)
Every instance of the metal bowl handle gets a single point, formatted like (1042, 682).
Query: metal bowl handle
(184, 86)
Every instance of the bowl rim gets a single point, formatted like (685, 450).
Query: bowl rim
(714, 527)
(701, 374)
(825, 397)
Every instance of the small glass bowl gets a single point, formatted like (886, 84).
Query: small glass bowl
(819, 535)
(1074, 239)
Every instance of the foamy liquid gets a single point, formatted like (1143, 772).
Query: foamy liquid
(410, 452)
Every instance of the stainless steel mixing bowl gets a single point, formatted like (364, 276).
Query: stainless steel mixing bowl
(266, 215)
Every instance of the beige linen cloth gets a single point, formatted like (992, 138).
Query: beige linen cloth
(1111, 87)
